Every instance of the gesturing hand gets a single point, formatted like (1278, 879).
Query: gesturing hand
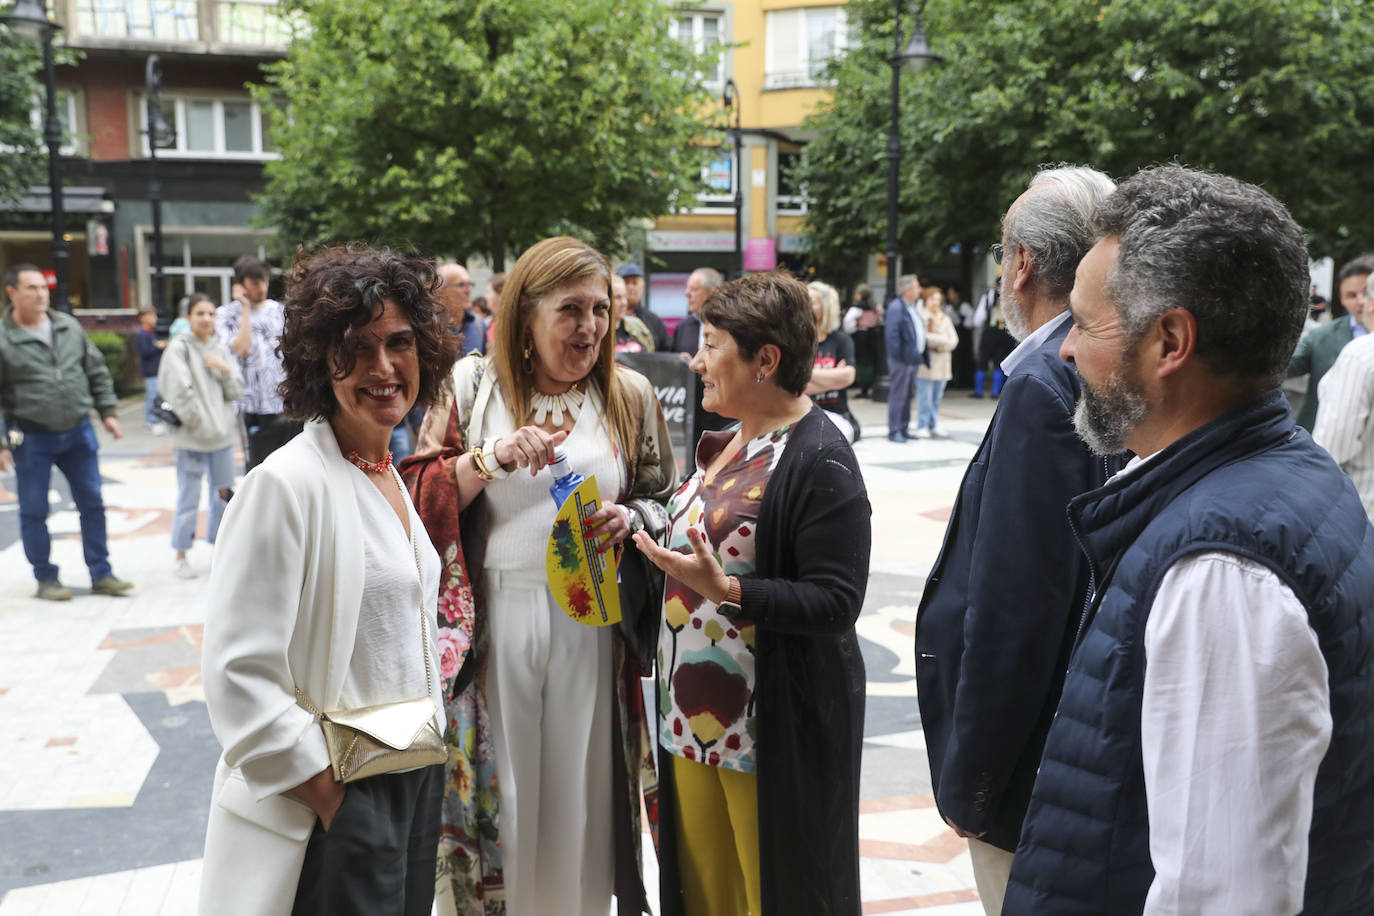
(700, 572)
(529, 447)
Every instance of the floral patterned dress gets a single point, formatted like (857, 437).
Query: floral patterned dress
(705, 659)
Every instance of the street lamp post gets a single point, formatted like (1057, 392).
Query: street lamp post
(159, 134)
(730, 99)
(29, 19)
(914, 56)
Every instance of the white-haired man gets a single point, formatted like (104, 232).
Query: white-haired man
(1005, 595)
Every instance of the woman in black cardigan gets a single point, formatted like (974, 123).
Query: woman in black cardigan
(761, 684)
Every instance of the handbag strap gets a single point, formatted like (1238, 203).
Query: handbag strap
(424, 625)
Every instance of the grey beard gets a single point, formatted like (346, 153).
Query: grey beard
(1018, 322)
(1104, 418)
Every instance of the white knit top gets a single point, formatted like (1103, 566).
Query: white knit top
(522, 510)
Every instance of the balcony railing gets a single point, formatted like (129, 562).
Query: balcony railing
(244, 23)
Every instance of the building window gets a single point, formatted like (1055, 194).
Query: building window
(799, 43)
(253, 22)
(791, 189)
(66, 113)
(171, 20)
(212, 128)
(702, 33)
(198, 260)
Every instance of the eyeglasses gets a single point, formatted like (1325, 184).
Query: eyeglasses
(997, 253)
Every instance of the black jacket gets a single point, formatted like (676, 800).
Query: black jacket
(813, 541)
(687, 335)
(999, 613)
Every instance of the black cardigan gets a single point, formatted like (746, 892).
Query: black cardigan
(813, 537)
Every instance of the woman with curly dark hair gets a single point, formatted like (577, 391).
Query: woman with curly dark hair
(320, 667)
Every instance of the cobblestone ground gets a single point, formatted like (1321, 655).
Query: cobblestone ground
(105, 778)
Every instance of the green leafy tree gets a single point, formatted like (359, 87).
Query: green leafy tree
(23, 157)
(1276, 92)
(482, 125)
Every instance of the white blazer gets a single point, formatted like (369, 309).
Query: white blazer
(285, 593)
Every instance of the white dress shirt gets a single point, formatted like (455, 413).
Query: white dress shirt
(918, 318)
(1345, 416)
(1235, 720)
(1032, 342)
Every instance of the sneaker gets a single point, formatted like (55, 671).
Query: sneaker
(898, 436)
(53, 591)
(923, 433)
(112, 586)
(938, 434)
(184, 570)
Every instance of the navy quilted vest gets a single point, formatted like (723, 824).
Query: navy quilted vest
(1249, 483)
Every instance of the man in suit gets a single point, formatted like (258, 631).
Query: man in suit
(687, 335)
(1319, 347)
(905, 333)
(1000, 611)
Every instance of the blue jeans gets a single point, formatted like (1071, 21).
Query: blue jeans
(191, 466)
(928, 395)
(74, 452)
(149, 399)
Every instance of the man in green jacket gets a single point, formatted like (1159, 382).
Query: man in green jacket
(1319, 347)
(51, 376)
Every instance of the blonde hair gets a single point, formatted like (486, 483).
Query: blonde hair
(830, 308)
(930, 292)
(542, 270)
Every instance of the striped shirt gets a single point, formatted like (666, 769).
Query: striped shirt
(1345, 416)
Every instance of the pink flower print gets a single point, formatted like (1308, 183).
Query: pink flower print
(455, 601)
(453, 645)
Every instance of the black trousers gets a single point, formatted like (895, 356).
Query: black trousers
(267, 432)
(378, 856)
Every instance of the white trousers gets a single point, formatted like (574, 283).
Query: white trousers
(549, 694)
(991, 871)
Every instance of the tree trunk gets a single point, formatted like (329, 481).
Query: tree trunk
(499, 234)
(966, 270)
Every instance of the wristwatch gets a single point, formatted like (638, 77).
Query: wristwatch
(730, 606)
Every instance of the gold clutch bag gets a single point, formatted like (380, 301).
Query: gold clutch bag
(380, 739)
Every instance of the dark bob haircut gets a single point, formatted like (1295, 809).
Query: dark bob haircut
(337, 291)
(763, 309)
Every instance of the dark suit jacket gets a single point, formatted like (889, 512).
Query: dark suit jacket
(686, 335)
(1315, 355)
(900, 332)
(1004, 601)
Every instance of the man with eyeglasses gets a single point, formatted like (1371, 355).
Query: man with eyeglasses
(456, 294)
(998, 616)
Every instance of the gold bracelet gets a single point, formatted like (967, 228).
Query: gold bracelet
(479, 465)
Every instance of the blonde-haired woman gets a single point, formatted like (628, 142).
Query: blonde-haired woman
(942, 338)
(834, 369)
(542, 711)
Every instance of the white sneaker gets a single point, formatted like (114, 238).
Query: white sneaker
(184, 570)
(922, 434)
(938, 434)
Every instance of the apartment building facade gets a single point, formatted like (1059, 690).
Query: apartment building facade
(776, 52)
(209, 51)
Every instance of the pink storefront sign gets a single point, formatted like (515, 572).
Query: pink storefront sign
(760, 254)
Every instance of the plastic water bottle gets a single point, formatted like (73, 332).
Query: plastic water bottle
(565, 479)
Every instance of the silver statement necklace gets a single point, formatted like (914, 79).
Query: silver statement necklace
(556, 405)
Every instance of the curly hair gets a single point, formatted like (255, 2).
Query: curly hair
(339, 290)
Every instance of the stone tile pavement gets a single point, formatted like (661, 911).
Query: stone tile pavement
(108, 755)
